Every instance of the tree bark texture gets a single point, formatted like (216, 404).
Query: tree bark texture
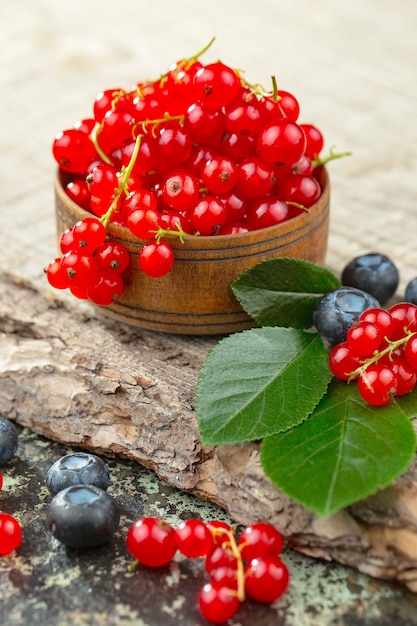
(76, 377)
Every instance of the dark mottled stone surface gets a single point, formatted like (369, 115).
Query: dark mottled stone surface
(45, 584)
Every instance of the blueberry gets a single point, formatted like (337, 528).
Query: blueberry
(79, 468)
(8, 440)
(374, 273)
(411, 291)
(336, 311)
(83, 516)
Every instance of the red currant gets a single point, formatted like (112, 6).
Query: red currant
(151, 541)
(106, 288)
(342, 361)
(10, 533)
(80, 269)
(377, 384)
(411, 351)
(314, 140)
(208, 215)
(364, 339)
(267, 211)
(216, 85)
(266, 579)
(281, 142)
(193, 538)
(156, 259)
(180, 190)
(217, 603)
(112, 255)
(55, 276)
(260, 539)
(143, 223)
(219, 175)
(88, 234)
(73, 150)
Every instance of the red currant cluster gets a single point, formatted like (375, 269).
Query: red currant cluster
(380, 352)
(238, 567)
(198, 151)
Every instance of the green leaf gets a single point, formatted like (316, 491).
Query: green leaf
(283, 291)
(259, 382)
(345, 451)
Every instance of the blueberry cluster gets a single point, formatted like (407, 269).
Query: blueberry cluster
(81, 514)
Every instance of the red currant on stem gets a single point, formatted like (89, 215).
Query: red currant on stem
(193, 538)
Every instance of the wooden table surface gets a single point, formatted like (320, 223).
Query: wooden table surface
(352, 65)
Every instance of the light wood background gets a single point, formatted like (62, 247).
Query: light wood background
(352, 65)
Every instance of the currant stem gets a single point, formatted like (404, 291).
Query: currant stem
(392, 345)
(94, 138)
(240, 567)
(161, 232)
(105, 219)
(330, 157)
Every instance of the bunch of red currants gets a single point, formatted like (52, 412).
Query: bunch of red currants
(380, 352)
(248, 565)
(197, 151)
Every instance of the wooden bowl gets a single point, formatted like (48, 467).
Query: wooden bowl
(195, 298)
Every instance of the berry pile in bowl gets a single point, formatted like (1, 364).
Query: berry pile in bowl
(172, 188)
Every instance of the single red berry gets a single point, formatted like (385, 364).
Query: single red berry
(105, 101)
(266, 579)
(281, 142)
(220, 531)
(156, 259)
(204, 124)
(404, 317)
(342, 361)
(406, 375)
(301, 189)
(55, 276)
(244, 118)
(381, 319)
(143, 223)
(112, 255)
(219, 175)
(217, 603)
(237, 147)
(88, 234)
(208, 215)
(255, 178)
(77, 190)
(364, 338)
(73, 150)
(180, 190)
(193, 538)
(225, 577)
(106, 288)
(151, 541)
(102, 181)
(79, 268)
(377, 384)
(314, 140)
(289, 105)
(10, 533)
(220, 556)
(260, 539)
(411, 351)
(216, 85)
(267, 211)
